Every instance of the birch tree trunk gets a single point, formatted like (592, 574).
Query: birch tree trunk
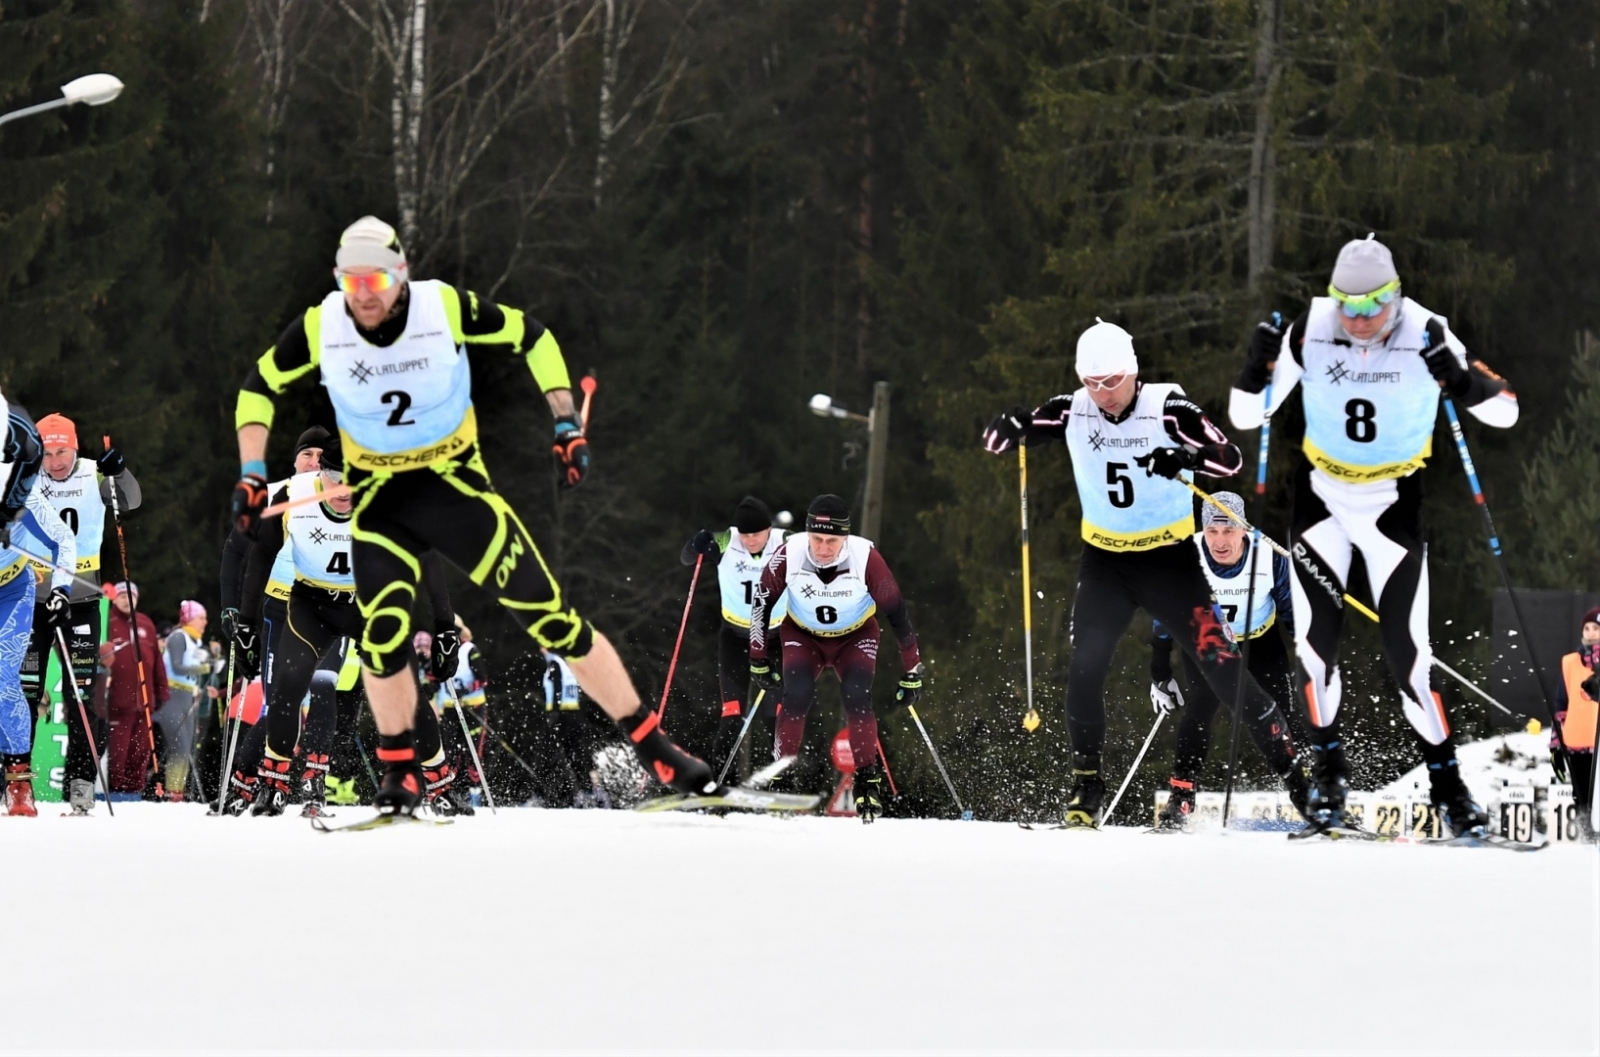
(867, 81)
(605, 119)
(405, 114)
(1262, 204)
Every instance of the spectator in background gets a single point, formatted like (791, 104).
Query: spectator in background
(1576, 711)
(130, 637)
(188, 665)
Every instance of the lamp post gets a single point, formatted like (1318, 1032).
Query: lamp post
(95, 89)
(877, 423)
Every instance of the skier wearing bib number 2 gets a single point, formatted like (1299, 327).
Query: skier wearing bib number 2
(1128, 441)
(392, 353)
(834, 585)
(1370, 364)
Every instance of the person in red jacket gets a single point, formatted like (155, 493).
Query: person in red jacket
(835, 585)
(120, 656)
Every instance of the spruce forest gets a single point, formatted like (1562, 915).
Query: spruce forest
(722, 207)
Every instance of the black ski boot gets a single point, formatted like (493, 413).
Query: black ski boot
(1299, 789)
(400, 788)
(663, 759)
(1174, 817)
(1086, 799)
(274, 789)
(871, 790)
(1460, 814)
(314, 787)
(1329, 787)
(443, 796)
(242, 790)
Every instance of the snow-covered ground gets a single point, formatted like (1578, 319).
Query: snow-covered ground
(165, 931)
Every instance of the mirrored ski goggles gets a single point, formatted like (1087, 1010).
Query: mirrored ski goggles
(1369, 305)
(1103, 382)
(373, 282)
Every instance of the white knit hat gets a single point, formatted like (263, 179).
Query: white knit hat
(370, 243)
(1363, 266)
(1105, 348)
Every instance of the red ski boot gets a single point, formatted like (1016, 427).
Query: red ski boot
(19, 791)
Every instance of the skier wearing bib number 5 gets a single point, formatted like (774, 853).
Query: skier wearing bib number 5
(1370, 364)
(1128, 441)
(392, 353)
(834, 585)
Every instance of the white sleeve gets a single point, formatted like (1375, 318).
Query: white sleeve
(51, 525)
(1249, 410)
(1500, 410)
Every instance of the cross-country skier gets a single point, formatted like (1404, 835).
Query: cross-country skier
(1137, 527)
(262, 643)
(834, 585)
(740, 552)
(1370, 364)
(392, 353)
(80, 492)
(1576, 695)
(23, 506)
(1225, 558)
(188, 665)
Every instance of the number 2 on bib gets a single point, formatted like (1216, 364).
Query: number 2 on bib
(401, 401)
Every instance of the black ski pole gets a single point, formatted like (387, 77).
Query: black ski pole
(83, 716)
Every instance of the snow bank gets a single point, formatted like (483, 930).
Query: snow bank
(163, 930)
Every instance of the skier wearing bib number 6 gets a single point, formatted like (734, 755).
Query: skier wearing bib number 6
(1370, 364)
(1128, 441)
(835, 585)
(392, 353)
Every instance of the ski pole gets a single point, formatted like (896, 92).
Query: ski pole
(233, 745)
(1499, 556)
(744, 729)
(948, 784)
(1030, 719)
(50, 563)
(1137, 760)
(682, 627)
(588, 384)
(1349, 599)
(449, 685)
(133, 627)
(83, 716)
(1249, 595)
(337, 491)
(227, 724)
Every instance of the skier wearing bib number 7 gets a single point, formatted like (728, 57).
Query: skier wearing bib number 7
(1370, 364)
(835, 585)
(1128, 441)
(392, 353)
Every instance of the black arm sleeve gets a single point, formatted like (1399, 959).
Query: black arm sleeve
(1189, 425)
(235, 553)
(433, 582)
(290, 358)
(258, 568)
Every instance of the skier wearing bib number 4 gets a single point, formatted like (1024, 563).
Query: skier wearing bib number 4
(392, 353)
(1370, 364)
(1128, 441)
(834, 585)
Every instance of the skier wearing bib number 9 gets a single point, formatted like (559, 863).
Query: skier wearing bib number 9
(1128, 441)
(834, 585)
(1370, 364)
(392, 353)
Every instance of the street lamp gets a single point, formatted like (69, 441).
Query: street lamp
(877, 421)
(95, 89)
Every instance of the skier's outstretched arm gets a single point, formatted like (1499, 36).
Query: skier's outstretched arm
(1275, 355)
(1482, 392)
(1044, 423)
(1213, 453)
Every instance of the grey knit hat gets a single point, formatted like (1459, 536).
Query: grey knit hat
(1363, 266)
(1210, 515)
(370, 243)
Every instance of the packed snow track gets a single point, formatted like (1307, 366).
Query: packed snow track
(164, 930)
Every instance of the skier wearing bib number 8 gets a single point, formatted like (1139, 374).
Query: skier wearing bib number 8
(392, 353)
(1370, 364)
(835, 585)
(1128, 441)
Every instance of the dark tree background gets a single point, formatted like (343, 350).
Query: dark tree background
(724, 206)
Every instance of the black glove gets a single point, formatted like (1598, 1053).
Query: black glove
(910, 689)
(1441, 360)
(111, 463)
(571, 451)
(249, 500)
(246, 650)
(1007, 430)
(1591, 686)
(705, 542)
(230, 622)
(1166, 462)
(58, 609)
(446, 656)
(1265, 344)
(765, 676)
